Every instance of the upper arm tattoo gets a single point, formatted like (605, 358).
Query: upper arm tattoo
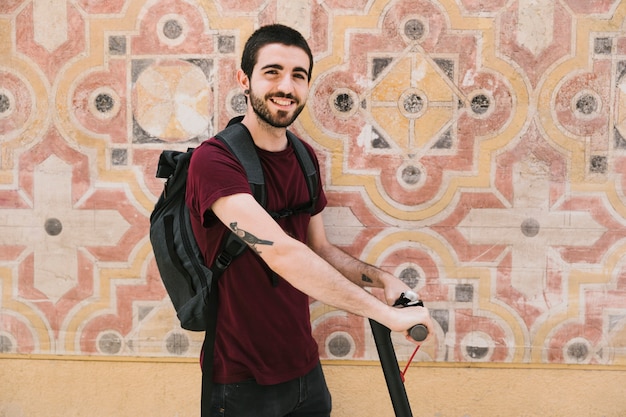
(249, 238)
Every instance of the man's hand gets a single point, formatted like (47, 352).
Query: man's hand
(419, 315)
(394, 287)
(420, 331)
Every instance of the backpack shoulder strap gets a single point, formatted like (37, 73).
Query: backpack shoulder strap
(308, 168)
(240, 143)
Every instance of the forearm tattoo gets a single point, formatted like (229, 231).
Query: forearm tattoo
(249, 238)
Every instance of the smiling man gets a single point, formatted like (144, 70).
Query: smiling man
(266, 361)
(287, 92)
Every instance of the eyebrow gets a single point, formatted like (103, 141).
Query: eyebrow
(280, 67)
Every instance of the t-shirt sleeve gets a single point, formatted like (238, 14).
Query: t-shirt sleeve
(214, 172)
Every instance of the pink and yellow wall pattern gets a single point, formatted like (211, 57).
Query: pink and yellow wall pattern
(475, 149)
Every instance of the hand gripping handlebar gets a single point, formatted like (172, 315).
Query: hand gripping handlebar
(419, 332)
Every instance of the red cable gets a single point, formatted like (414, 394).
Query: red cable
(406, 368)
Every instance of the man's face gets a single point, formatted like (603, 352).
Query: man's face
(280, 84)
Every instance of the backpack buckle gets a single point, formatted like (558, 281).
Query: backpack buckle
(223, 261)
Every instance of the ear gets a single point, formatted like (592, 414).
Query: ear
(243, 80)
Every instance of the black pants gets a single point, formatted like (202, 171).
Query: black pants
(307, 396)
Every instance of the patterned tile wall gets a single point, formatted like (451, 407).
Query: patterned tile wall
(475, 148)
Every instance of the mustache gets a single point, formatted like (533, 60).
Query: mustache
(283, 95)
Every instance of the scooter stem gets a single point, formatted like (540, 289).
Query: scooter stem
(391, 370)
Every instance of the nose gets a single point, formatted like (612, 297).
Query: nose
(286, 84)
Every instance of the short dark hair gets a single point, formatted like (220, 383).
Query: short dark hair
(269, 34)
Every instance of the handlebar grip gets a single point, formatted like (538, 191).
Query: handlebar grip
(419, 332)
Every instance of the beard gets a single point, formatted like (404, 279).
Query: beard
(282, 118)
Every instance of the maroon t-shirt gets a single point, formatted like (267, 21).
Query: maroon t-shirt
(263, 332)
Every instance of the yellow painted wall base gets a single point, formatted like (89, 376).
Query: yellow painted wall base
(99, 388)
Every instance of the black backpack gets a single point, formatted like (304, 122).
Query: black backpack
(185, 276)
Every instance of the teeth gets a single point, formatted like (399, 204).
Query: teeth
(282, 102)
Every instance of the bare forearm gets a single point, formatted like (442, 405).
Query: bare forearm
(320, 279)
(314, 276)
(358, 272)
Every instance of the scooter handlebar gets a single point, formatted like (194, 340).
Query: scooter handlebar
(419, 332)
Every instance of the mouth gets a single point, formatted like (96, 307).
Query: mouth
(282, 101)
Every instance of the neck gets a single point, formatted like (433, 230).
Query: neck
(265, 136)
